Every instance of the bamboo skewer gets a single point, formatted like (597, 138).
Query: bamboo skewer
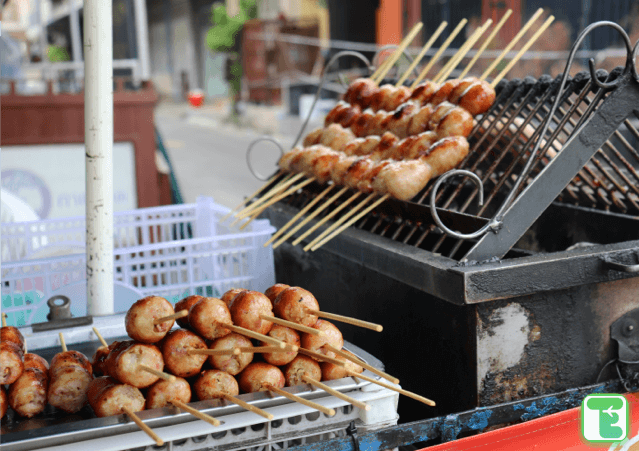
(4, 319)
(327, 217)
(283, 184)
(196, 413)
(363, 364)
(160, 374)
(292, 325)
(337, 394)
(441, 50)
(144, 427)
(350, 222)
(311, 404)
(232, 351)
(311, 216)
(100, 337)
(180, 314)
(391, 387)
(523, 50)
(248, 199)
(310, 205)
(346, 319)
(261, 349)
(511, 44)
(249, 407)
(255, 335)
(321, 357)
(395, 56)
(486, 43)
(277, 197)
(421, 54)
(62, 343)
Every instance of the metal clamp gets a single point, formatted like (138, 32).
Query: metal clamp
(352, 431)
(250, 148)
(620, 266)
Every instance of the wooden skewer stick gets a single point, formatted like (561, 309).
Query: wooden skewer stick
(276, 199)
(284, 183)
(523, 50)
(100, 337)
(337, 394)
(310, 205)
(347, 320)
(441, 50)
(454, 62)
(391, 387)
(321, 357)
(327, 217)
(176, 315)
(262, 349)
(486, 43)
(62, 343)
(339, 222)
(292, 325)
(4, 319)
(160, 374)
(421, 54)
(363, 364)
(196, 413)
(350, 222)
(311, 404)
(395, 56)
(248, 199)
(311, 216)
(232, 351)
(255, 335)
(144, 427)
(511, 44)
(247, 406)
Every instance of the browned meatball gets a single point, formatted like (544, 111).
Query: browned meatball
(35, 361)
(275, 290)
(332, 336)
(4, 402)
(186, 304)
(107, 397)
(207, 316)
(214, 384)
(232, 364)
(291, 305)
(330, 371)
(287, 335)
(12, 334)
(28, 395)
(247, 308)
(177, 360)
(139, 319)
(164, 392)
(124, 360)
(69, 378)
(301, 366)
(11, 362)
(257, 376)
(228, 297)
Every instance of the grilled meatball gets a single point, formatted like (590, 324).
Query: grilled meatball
(232, 364)
(214, 384)
(175, 348)
(107, 397)
(287, 335)
(207, 316)
(330, 371)
(246, 309)
(230, 295)
(186, 304)
(11, 362)
(301, 366)
(35, 361)
(256, 376)
(164, 392)
(139, 319)
(291, 305)
(276, 289)
(332, 336)
(28, 395)
(124, 359)
(99, 359)
(4, 402)
(70, 376)
(12, 334)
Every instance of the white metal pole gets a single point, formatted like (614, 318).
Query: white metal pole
(142, 38)
(98, 138)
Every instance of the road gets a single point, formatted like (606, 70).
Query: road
(209, 158)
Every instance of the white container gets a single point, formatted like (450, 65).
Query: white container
(170, 251)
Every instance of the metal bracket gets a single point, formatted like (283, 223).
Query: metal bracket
(616, 266)
(352, 431)
(59, 316)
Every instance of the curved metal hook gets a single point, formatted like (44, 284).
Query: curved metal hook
(393, 46)
(591, 61)
(635, 55)
(492, 224)
(250, 148)
(335, 57)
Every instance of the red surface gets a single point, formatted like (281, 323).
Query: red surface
(560, 431)
(196, 100)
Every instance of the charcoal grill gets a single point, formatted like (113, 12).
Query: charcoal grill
(524, 307)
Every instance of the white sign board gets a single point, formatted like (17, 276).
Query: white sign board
(51, 178)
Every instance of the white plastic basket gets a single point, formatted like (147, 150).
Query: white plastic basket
(171, 251)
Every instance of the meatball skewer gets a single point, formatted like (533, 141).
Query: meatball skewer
(401, 391)
(178, 394)
(146, 320)
(69, 378)
(355, 360)
(12, 352)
